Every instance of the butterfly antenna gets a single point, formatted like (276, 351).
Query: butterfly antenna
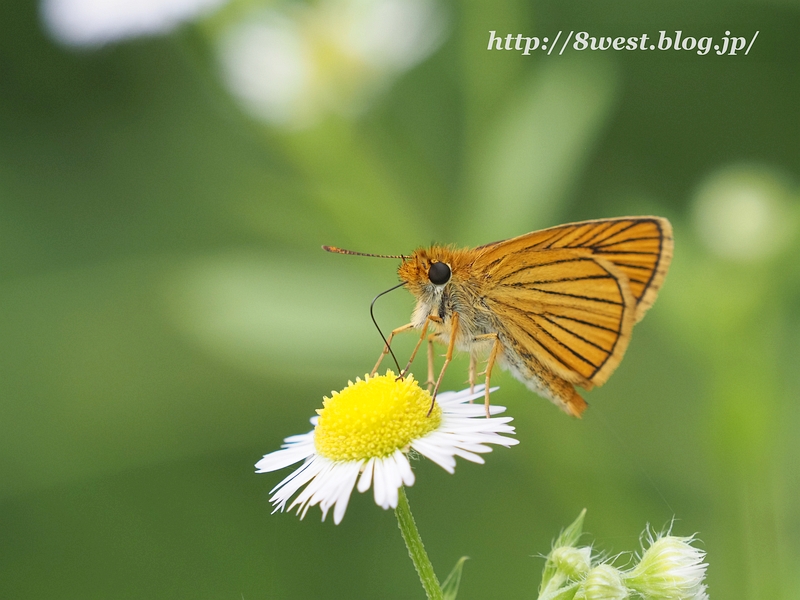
(336, 250)
(372, 314)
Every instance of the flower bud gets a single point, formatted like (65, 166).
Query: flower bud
(572, 562)
(604, 582)
(670, 568)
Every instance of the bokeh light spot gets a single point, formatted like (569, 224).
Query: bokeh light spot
(745, 213)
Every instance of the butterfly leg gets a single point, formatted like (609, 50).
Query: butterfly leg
(402, 329)
(431, 379)
(448, 357)
(416, 348)
(473, 360)
(489, 365)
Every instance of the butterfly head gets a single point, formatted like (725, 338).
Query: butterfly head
(429, 270)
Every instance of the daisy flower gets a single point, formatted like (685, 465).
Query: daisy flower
(362, 437)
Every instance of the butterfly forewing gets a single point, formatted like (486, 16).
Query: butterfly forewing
(643, 251)
(571, 294)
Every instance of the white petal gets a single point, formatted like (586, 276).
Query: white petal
(282, 492)
(434, 453)
(366, 477)
(404, 468)
(339, 485)
(391, 488)
(320, 481)
(344, 492)
(469, 456)
(387, 480)
(283, 458)
(395, 479)
(379, 483)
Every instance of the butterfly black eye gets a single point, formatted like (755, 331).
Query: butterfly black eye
(439, 273)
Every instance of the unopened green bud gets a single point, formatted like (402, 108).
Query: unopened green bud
(670, 568)
(604, 582)
(572, 562)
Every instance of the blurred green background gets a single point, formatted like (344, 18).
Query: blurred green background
(167, 316)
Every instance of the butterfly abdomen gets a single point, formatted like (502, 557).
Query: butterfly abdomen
(541, 380)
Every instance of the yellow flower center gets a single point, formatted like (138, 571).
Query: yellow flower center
(374, 417)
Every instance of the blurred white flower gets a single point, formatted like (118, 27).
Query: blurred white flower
(268, 67)
(97, 22)
(744, 213)
(291, 66)
(288, 65)
(387, 34)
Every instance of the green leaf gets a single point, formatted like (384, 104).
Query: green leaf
(450, 585)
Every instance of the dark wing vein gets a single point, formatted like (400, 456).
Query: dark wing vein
(544, 346)
(577, 335)
(591, 299)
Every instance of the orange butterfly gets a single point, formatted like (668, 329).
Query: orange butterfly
(554, 307)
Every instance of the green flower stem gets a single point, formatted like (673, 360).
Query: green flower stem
(415, 548)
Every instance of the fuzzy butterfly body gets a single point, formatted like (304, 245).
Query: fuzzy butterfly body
(554, 307)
